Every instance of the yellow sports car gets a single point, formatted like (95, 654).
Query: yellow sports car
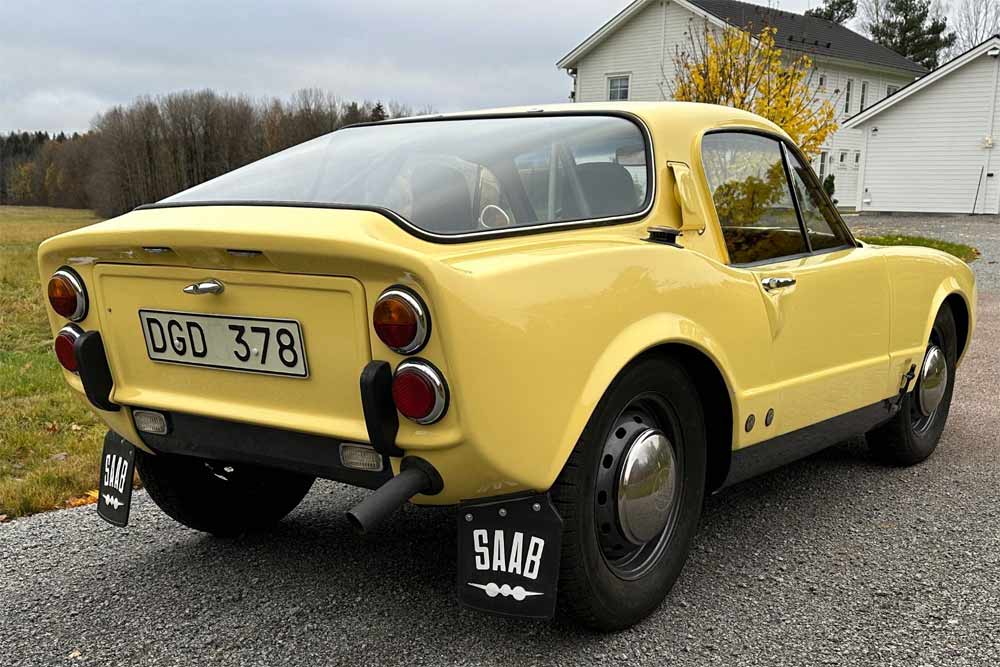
(572, 322)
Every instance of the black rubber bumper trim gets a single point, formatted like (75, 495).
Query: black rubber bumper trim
(235, 442)
(381, 419)
(92, 365)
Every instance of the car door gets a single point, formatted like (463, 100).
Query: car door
(827, 300)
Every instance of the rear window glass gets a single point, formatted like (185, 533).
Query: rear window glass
(457, 176)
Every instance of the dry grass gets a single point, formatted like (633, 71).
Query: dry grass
(49, 441)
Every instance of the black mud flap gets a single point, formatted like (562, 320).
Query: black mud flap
(508, 555)
(115, 493)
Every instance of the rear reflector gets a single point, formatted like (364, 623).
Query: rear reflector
(149, 421)
(65, 340)
(360, 457)
(419, 391)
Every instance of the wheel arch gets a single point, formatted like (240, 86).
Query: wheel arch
(704, 364)
(960, 311)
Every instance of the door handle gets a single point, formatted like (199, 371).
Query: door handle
(776, 283)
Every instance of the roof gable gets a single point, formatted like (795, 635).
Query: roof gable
(795, 32)
(956, 63)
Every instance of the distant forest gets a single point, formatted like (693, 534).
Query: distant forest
(155, 147)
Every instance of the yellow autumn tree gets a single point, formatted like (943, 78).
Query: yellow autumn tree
(736, 68)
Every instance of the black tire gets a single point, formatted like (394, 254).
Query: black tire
(592, 587)
(204, 495)
(910, 436)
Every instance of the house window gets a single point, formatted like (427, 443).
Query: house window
(843, 158)
(822, 81)
(864, 94)
(891, 90)
(823, 158)
(618, 88)
(857, 159)
(847, 95)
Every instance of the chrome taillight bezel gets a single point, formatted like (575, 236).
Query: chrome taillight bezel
(423, 320)
(437, 382)
(76, 282)
(72, 332)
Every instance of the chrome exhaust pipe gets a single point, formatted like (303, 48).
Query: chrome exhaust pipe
(415, 476)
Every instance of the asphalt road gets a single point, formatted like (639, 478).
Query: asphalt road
(833, 560)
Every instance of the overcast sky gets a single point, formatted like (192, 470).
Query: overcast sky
(63, 61)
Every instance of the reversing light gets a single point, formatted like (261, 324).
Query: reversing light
(150, 421)
(67, 295)
(360, 457)
(65, 340)
(401, 320)
(419, 391)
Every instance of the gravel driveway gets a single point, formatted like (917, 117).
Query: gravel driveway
(833, 560)
(978, 231)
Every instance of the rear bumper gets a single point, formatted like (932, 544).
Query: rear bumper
(234, 442)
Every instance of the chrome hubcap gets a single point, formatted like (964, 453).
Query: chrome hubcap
(646, 486)
(933, 380)
(638, 487)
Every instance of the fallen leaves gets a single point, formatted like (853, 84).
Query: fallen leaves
(87, 499)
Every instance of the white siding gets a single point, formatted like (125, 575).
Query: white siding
(930, 149)
(851, 141)
(644, 48)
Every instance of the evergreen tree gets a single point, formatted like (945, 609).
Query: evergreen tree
(908, 29)
(378, 113)
(838, 11)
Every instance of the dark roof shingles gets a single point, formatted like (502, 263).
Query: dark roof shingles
(808, 33)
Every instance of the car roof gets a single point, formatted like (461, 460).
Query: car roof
(682, 117)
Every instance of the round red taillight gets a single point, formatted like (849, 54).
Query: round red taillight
(67, 295)
(64, 342)
(401, 320)
(419, 391)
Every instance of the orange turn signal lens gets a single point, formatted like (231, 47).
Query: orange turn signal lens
(67, 295)
(401, 321)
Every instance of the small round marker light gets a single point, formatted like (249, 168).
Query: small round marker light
(419, 391)
(67, 295)
(64, 342)
(401, 321)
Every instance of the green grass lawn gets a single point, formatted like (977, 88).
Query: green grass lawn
(49, 441)
(963, 252)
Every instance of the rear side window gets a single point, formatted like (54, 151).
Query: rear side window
(746, 175)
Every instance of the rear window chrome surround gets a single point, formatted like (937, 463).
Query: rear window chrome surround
(479, 235)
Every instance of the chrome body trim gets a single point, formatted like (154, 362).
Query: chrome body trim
(76, 283)
(423, 319)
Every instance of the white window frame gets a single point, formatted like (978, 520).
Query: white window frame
(847, 95)
(863, 97)
(891, 89)
(857, 159)
(628, 85)
(842, 159)
(822, 81)
(824, 163)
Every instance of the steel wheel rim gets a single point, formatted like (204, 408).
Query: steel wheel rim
(624, 558)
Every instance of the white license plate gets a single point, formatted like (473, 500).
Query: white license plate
(251, 344)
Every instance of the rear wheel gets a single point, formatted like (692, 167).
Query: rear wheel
(220, 498)
(913, 433)
(630, 496)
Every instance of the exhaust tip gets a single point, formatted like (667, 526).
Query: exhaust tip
(416, 476)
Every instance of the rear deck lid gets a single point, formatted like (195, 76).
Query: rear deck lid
(268, 348)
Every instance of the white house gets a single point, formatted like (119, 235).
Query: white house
(631, 57)
(931, 147)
